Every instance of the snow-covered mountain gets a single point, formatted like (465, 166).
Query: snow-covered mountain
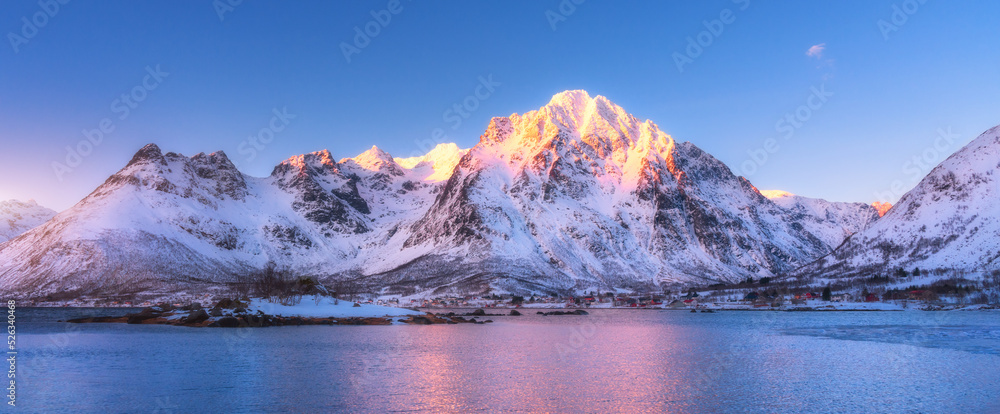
(167, 219)
(950, 220)
(830, 221)
(17, 217)
(578, 195)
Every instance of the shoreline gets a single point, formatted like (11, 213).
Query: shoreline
(527, 310)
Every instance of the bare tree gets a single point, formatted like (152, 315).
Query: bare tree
(270, 283)
(241, 286)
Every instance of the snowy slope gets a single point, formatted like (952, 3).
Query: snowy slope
(325, 307)
(576, 195)
(165, 220)
(950, 220)
(17, 217)
(580, 194)
(830, 221)
(437, 164)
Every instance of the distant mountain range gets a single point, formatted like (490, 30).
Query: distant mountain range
(577, 195)
(17, 217)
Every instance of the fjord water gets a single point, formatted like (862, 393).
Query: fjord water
(609, 361)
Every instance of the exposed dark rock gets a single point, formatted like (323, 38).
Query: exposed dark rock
(228, 322)
(145, 314)
(148, 154)
(100, 319)
(560, 313)
(229, 304)
(196, 316)
(420, 320)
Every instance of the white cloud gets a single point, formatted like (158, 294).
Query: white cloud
(816, 51)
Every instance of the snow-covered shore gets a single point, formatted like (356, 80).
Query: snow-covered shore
(259, 313)
(325, 307)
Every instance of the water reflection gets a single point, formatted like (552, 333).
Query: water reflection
(613, 361)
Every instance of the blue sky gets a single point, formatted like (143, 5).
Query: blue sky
(889, 91)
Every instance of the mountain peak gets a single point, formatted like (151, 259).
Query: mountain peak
(441, 160)
(320, 160)
(374, 154)
(882, 207)
(572, 118)
(581, 107)
(218, 157)
(570, 98)
(17, 217)
(443, 151)
(374, 159)
(149, 153)
(773, 194)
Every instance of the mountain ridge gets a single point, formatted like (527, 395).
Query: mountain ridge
(17, 217)
(576, 195)
(947, 223)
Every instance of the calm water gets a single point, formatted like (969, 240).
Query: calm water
(610, 361)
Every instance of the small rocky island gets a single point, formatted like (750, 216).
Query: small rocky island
(230, 313)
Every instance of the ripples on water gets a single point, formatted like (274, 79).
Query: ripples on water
(610, 361)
